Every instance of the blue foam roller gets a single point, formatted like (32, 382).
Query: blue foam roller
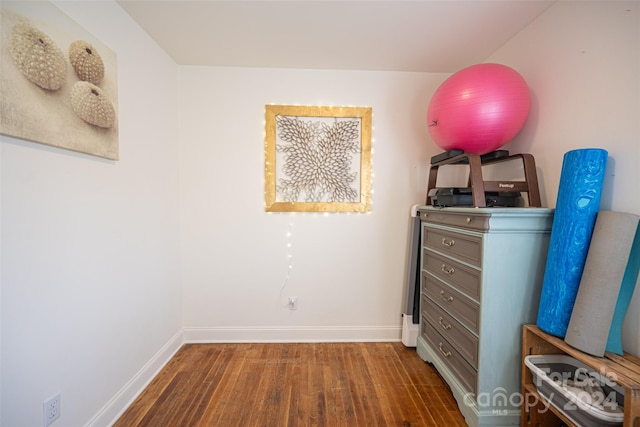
(575, 214)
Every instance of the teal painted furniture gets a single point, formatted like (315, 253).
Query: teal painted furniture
(481, 277)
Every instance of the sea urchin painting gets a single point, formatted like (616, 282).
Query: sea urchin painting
(58, 83)
(317, 159)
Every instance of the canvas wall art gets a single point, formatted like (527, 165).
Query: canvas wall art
(317, 159)
(58, 83)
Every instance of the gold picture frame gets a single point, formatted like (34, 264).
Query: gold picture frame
(317, 159)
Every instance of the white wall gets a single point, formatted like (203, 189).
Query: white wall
(581, 60)
(90, 280)
(90, 248)
(348, 269)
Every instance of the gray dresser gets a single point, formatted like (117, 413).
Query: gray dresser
(481, 275)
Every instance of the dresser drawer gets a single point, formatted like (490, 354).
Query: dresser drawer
(461, 246)
(459, 306)
(460, 276)
(454, 361)
(460, 338)
(457, 219)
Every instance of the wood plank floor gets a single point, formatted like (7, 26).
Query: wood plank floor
(315, 384)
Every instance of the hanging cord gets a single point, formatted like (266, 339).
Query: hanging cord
(289, 251)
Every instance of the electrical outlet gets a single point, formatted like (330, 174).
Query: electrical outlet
(51, 409)
(293, 303)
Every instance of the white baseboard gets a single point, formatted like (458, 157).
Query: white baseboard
(293, 334)
(110, 413)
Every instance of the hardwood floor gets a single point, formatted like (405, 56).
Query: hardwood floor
(317, 384)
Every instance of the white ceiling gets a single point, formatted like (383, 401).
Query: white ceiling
(419, 35)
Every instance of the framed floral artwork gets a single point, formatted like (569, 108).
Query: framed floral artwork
(317, 159)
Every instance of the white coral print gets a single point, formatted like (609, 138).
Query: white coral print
(318, 159)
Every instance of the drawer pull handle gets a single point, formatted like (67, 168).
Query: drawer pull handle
(445, 327)
(449, 270)
(446, 298)
(469, 219)
(444, 353)
(449, 243)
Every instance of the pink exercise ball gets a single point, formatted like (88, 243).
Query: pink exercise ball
(479, 109)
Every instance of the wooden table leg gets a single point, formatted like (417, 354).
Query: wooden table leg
(477, 183)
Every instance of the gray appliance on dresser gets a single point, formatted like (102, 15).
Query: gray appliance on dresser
(481, 272)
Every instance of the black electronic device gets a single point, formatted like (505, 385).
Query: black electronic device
(445, 156)
(488, 157)
(455, 196)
